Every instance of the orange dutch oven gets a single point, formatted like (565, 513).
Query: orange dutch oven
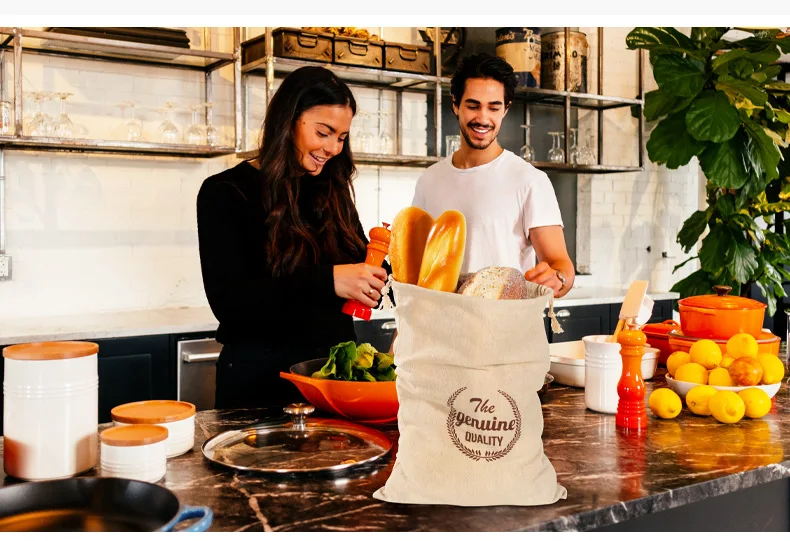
(720, 316)
(658, 337)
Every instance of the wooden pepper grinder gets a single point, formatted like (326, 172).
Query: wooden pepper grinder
(631, 411)
(378, 248)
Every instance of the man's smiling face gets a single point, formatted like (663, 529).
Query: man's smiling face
(480, 111)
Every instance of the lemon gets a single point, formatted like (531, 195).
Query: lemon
(773, 369)
(756, 401)
(675, 360)
(726, 361)
(727, 407)
(692, 373)
(706, 352)
(742, 345)
(665, 403)
(698, 398)
(719, 376)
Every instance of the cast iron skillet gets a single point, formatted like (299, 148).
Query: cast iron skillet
(95, 504)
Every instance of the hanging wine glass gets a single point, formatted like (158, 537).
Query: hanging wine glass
(556, 154)
(194, 133)
(212, 133)
(587, 152)
(63, 126)
(527, 152)
(168, 132)
(40, 125)
(575, 156)
(366, 137)
(5, 117)
(385, 141)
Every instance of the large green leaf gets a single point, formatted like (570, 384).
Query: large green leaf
(770, 300)
(753, 186)
(692, 229)
(711, 117)
(741, 260)
(737, 87)
(778, 86)
(650, 37)
(769, 72)
(659, 103)
(679, 76)
(716, 247)
(721, 63)
(724, 164)
(725, 204)
(671, 144)
(707, 34)
(763, 154)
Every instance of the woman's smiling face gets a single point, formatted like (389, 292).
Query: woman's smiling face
(320, 134)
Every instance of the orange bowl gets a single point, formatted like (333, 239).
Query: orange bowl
(363, 401)
(766, 343)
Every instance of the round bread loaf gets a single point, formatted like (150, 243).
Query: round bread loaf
(496, 283)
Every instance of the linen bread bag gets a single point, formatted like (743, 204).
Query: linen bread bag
(470, 420)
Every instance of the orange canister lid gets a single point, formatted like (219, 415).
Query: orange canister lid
(50, 351)
(133, 435)
(152, 412)
(722, 301)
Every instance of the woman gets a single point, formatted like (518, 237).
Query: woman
(281, 243)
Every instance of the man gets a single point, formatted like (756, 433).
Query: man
(510, 207)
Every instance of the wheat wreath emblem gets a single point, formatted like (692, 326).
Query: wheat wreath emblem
(475, 454)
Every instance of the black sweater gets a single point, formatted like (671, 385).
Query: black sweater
(251, 305)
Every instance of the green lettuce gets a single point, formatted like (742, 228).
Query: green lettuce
(350, 362)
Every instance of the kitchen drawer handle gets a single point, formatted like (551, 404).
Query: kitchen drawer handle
(563, 313)
(200, 357)
(389, 326)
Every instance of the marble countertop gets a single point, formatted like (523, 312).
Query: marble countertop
(201, 319)
(611, 476)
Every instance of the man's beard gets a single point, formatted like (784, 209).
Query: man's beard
(475, 144)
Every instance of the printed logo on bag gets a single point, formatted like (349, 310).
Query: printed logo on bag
(481, 426)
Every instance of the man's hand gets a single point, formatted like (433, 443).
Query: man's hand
(543, 274)
(549, 243)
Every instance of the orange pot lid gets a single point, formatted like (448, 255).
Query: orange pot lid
(50, 351)
(152, 412)
(133, 435)
(722, 301)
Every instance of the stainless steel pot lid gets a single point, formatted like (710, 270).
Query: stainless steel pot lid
(299, 446)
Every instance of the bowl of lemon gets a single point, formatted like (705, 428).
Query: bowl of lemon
(742, 366)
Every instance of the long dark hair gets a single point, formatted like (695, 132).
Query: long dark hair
(292, 242)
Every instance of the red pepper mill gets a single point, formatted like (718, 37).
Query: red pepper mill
(631, 411)
(378, 248)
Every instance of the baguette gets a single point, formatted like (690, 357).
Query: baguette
(444, 252)
(410, 231)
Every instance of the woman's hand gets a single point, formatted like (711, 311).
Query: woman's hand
(361, 282)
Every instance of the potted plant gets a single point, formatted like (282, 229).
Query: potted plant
(720, 100)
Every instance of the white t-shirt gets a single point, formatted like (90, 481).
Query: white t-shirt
(501, 200)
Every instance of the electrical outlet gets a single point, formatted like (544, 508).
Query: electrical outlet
(5, 267)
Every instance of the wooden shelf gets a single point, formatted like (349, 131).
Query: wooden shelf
(111, 147)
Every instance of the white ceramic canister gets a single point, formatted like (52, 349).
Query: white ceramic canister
(603, 367)
(134, 452)
(51, 409)
(177, 416)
